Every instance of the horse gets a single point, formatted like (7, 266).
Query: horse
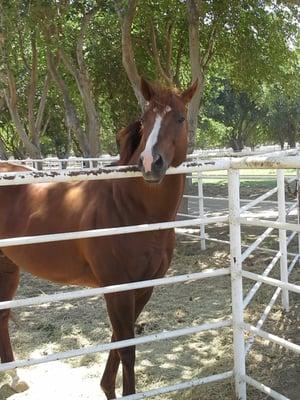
(154, 142)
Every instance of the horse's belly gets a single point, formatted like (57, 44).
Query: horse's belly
(57, 262)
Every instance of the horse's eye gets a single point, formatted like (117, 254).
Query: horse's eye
(181, 119)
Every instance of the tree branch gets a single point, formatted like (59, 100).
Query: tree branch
(71, 118)
(67, 62)
(210, 46)
(178, 63)
(79, 46)
(21, 44)
(32, 90)
(42, 105)
(45, 125)
(156, 57)
(12, 89)
(169, 49)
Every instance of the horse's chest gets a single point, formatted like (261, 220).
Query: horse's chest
(137, 256)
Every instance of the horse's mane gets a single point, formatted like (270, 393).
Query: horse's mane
(128, 140)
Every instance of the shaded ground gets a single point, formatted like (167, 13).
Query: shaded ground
(66, 325)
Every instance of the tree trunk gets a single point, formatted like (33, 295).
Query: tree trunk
(196, 69)
(291, 135)
(199, 63)
(281, 142)
(126, 15)
(184, 205)
(237, 143)
(193, 113)
(292, 143)
(32, 149)
(3, 154)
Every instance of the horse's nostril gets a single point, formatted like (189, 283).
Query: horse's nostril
(140, 162)
(158, 161)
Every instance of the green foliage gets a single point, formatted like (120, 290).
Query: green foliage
(212, 134)
(256, 42)
(252, 90)
(283, 118)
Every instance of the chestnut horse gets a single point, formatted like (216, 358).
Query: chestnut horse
(154, 142)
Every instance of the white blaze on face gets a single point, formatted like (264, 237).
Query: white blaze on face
(146, 155)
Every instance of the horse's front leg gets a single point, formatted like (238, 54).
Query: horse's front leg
(121, 311)
(9, 280)
(108, 381)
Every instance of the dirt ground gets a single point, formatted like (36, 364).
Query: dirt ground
(44, 329)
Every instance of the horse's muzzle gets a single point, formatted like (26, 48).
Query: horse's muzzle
(158, 169)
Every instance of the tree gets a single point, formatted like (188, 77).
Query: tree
(238, 112)
(60, 22)
(283, 118)
(25, 81)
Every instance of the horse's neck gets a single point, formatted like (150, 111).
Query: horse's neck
(159, 202)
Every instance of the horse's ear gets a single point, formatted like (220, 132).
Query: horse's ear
(188, 94)
(146, 89)
(128, 140)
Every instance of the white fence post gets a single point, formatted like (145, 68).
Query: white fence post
(282, 237)
(201, 210)
(236, 284)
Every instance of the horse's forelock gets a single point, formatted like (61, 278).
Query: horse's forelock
(165, 97)
(165, 103)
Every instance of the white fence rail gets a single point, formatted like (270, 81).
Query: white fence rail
(240, 348)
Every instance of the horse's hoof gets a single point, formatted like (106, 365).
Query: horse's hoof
(20, 387)
(17, 384)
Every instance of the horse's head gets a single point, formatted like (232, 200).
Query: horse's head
(159, 139)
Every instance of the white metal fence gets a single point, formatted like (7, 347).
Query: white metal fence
(236, 217)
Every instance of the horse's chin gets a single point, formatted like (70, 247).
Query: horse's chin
(153, 179)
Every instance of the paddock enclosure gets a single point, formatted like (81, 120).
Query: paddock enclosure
(236, 266)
